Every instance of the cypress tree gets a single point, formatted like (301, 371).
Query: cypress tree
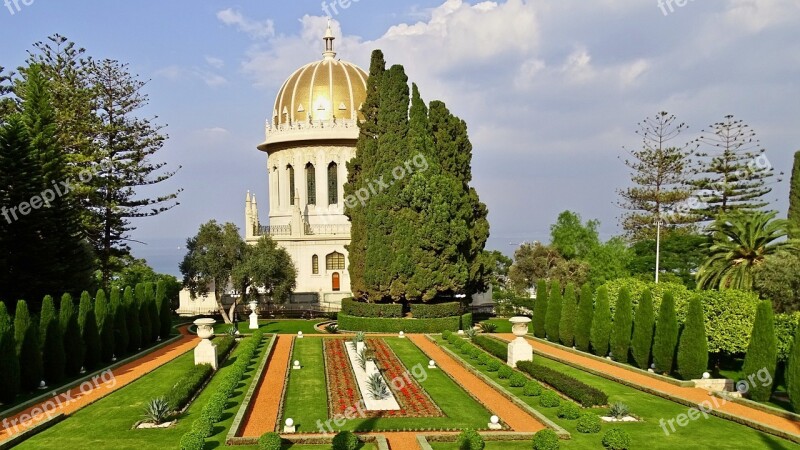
(643, 330)
(132, 314)
(9, 361)
(621, 330)
(794, 199)
(583, 325)
(553, 312)
(22, 321)
(793, 372)
(693, 346)
(74, 348)
(30, 352)
(569, 309)
(53, 356)
(601, 323)
(152, 308)
(762, 352)
(105, 326)
(117, 308)
(164, 310)
(540, 309)
(144, 314)
(91, 336)
(666, 339)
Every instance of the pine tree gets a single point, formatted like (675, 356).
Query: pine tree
(762, 352)
(666, 340)
(569, 309)
(144, 314)
(105, 326)
(583, 325)
(74, 347)
(132, 314)
(621, 331)
(9, 361)
(164, 310)
(793, 372)
(540, 309)
(553, 318)
(155, 317)
(53, 356)
(91, 336)
(118, 309)
(794, 199)
(693, 346)
(30, 352)
(642, 341)
(601, 323)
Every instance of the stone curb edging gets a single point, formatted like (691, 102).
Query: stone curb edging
(248, 397)
(72, 385)
(32, 431)
(378, 439)
(759, 406)
(560, 431)
(424, 440)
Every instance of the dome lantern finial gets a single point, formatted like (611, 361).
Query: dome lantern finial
(329, 53)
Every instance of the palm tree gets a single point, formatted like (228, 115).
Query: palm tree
(740, 242)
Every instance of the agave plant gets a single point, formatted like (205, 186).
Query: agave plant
(156, 410)
(377, 388)
(332, 328)
(360, 336)
(471, 333)
(361, 359)
(231, 331)
(488, 327)
(618, 410)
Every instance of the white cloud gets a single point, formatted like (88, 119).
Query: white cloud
(178, 73)
(216, 63)
(254, 28)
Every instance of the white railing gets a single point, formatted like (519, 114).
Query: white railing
(291, 127)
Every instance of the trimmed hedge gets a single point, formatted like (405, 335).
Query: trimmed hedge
(546, 439)
(224, 345)
(584, 394)
(466, 321)
(493, 346)
(588, 423)
(183, 391)
(436, 310)
(362, 309)
(389, 325)
(470, 440)
(270, 441)
(616, 439)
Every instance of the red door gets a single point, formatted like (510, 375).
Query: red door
(335, 281)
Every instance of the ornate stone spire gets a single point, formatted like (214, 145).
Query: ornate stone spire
(329, 53)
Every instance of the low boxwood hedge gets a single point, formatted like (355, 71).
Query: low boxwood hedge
(466, 321)
(577, 390)
(436, 310)
(493, 346)
(364, 309)
(391, 325)
(188, 385)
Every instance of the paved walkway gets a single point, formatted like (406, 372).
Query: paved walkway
(268, 395)
(68, 402)
(694, 395)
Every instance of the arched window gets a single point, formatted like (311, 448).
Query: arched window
(335, 282)
(315, 265)
(290, 170)
(334, 261)
(333, 184)
(277, 184)
(311, 184)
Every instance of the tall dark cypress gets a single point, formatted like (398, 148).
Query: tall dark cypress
(132, 314)
(794, 199)
(53, 357)
(91, 336)
(105, 325)
(9, 361)
(74, 347)
(665, 343)
(642, 341)
(540, 309)
(118, 309)
(553, 319)
(29, 350)
(583, 325)
(164, 310)
(622, 327)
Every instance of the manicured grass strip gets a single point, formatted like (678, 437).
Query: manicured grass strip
(306, 400)
(277, 326)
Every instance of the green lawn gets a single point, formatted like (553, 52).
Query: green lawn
(275, 326)
(503, 325)
(713, 432)
(307, 403)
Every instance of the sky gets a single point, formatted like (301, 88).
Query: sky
(552, 91)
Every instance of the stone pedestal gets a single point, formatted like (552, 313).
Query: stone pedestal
(253, 316)
(205, 352)
(519, 349)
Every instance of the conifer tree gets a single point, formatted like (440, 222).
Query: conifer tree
(144, 314)
(794, 199)
(30, 352)
(583, 325)
(693, 346)
(540, 309)
(621, 330)
(553, 312)
(164, 310)
(47, 313)
(601, 323)
(118, 309)
(53, 356)
(91, 336)
(132, 314)
(793, 372)
(762, 352)
(155, 317)
(9, 361)
(74, 348)
(569, 309)
(105, 326)
(666, 339)
(643, 322)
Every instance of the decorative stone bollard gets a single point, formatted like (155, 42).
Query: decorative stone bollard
(206, 351)
(519, 349)
(253, 315)
(494, 423)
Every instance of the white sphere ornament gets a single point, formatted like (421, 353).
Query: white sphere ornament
(431, 363)
(300, 334)
(653, 366)
(494, 420)
(401, 334)
(706, 375)
(289, 422)
(297, 363)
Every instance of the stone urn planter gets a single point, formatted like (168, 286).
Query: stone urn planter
(206, 351)
(519, 349)
(253, 315)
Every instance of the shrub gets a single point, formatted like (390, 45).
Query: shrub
(546, 439)
(504, 372)
(224, 345)
(488, 327)
(29, 350)
(391, 325)
(493, 365)
(192, 441)
(569, 411)
(203, 426)
(792, 373)
(345, 440)
(621, 329)
(549, 399)
(466, 321)
(447, 335)
(53, 356)
(642, 340)
(693, 347)
(616, 439)
(569, 309)
(785, 327)
(270, 441)
(532, 389)
(491, 345)
(540, 310)
(517, 380)
(588, 423)
(553, 318)
(435, 310)
(584, 394)
(484, 359)
(470, 440)
(156, 410)
(354, 308)
(601, 324)
(215, 407)
(666, 339)
(183, 391)
(762, 353)
(618, 410)
(583, 323)
(9, 361)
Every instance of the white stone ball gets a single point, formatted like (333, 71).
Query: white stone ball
(402, 333)
(297, 363)
(706, 375)
(289, 422)
(431, 363)
(299, 333)
(494, 419)
(653, 366)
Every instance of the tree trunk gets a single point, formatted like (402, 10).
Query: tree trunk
(221, 308)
